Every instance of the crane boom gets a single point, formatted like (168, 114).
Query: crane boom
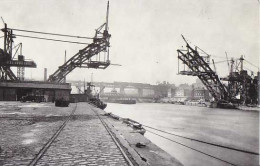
(83, 58)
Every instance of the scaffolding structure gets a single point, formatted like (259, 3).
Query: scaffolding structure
(241, 88)
(197, 65)
(94, 55)
(7, 58)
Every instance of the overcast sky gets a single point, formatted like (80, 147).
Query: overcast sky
(145, 34)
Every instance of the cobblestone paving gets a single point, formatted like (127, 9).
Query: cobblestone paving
(84, 141)
(25, 128)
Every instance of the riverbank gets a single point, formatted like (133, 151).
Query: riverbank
(228, 127)
(207, 104)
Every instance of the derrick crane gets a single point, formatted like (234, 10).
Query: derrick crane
(7, 58)
(240, 84)
(199, 66)
(84, 58)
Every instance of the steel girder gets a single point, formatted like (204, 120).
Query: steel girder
(201, 68)
(83, 58)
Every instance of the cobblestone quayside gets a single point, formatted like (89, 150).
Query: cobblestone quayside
(84, 141)
(27, 127)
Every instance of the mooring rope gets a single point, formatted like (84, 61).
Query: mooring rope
(208, 143)
(192, 148)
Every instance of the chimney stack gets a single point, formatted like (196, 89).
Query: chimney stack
(45, 74)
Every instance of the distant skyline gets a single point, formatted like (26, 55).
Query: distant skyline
(145, 34)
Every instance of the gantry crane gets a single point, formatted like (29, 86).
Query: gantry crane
(241, 84)
(7, 58)
(84, 58)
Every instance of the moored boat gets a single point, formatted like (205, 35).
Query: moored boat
(126, 101)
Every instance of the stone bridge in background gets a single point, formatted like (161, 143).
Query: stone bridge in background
(125, 89)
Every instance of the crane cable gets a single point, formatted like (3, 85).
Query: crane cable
(252, 64)
(192, 148)
(65, 41)
(55, 34)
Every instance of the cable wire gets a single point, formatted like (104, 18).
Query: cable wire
(252, 64)
(65, 41)
(55, 34)
(193, 149)
(202, 51)
(209, 143)
(248, 69)
(16, 46)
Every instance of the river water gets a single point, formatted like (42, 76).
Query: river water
(227, 127)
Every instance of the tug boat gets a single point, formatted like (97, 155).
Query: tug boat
(98, 103)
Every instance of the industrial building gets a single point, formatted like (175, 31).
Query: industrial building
(14, 87)
(13, 91)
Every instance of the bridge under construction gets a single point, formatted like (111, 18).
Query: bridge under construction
(237, 88)
(14, 86)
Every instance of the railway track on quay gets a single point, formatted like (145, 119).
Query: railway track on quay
(54, 137)
(114, 139)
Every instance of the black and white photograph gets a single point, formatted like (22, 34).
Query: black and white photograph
(129, 82)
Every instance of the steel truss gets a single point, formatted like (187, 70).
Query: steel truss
(83, 59)
(7, 58)
(241, 88)
(199, 66)
(6, 55)
(241, 84)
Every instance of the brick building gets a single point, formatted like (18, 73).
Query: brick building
(201, 94)
(181, 94)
